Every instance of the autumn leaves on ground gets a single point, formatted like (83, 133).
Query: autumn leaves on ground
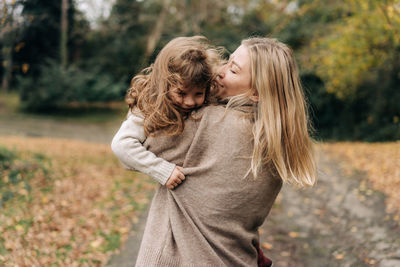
(64, 203)
(70, 203)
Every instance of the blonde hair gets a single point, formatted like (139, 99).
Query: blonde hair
(184, 62)
(281, 123)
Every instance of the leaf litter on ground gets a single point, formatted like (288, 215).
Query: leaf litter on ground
(78, 216)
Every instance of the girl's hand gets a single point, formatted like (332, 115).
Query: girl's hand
(176, 178)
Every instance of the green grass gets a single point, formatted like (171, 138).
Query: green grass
(10, 105)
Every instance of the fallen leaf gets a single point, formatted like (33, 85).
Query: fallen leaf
(339, 256)
(266, 246)
(19, 228)
(294, 234)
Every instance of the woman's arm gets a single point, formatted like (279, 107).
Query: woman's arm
(127, 145)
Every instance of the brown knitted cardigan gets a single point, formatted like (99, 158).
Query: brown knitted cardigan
(212, 218)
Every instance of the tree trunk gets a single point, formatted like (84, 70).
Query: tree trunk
(7, 68)
(64, 33)
(155, 35)
(7, 38)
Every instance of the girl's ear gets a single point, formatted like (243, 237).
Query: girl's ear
(255, 96)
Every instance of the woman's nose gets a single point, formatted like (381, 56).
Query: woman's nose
(221, 72)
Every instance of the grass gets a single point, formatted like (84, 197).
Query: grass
(10, 105)
(79, 207)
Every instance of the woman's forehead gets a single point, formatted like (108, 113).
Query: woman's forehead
(241, 57)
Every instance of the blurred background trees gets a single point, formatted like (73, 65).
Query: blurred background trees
(348, 52)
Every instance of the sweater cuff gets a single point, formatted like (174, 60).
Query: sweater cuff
(163, 172)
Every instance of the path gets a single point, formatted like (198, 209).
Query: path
(339, 222)
(15, 124)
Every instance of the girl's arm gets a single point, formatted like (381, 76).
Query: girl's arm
(127, 145)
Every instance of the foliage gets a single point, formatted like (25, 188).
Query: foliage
(117, 46)
(56, 87)
(356, 63)
(78, 217)
(40, 39)
(348, 52)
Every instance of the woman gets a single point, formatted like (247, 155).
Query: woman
(235, 159)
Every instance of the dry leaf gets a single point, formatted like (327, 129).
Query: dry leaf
(339, 256)
(267, 246)
(294, 234)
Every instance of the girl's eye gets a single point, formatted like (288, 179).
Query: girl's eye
(181, 93)
(233, 71)
(199, 94)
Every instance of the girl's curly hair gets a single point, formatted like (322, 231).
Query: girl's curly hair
(184, 62)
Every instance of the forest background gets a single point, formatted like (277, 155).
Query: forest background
(65, 68)
(348, 52)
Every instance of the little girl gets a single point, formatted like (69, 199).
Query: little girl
(159, 100)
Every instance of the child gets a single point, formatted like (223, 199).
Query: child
(159, 100)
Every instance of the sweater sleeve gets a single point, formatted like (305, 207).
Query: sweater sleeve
(127, 145)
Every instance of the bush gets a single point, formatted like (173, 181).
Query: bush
(56, 87)
(371, 114)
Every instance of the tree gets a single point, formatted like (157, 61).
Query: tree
(358, 45)
(64, 33)
(9, 31)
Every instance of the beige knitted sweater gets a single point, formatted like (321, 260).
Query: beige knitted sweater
(212, 218)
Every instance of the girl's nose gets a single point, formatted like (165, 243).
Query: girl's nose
(189, 102)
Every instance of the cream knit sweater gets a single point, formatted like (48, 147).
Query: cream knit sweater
(127, 145)
(212, 218)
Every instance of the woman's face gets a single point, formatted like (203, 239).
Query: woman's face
(234, 77)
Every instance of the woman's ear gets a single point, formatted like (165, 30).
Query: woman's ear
(255, 96)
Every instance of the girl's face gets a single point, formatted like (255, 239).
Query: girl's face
(234, 77)
(187, 99)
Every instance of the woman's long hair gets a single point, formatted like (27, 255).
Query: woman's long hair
(281, 125)
(183, 62)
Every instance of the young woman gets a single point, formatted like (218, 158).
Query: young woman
(235, 159)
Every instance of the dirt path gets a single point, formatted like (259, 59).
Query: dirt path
(15, 124)
(339, 222)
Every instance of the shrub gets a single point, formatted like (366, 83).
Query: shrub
(56, 87)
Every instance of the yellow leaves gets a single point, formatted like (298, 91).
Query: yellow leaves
(19, 228)
(354, 46)
(25, 67)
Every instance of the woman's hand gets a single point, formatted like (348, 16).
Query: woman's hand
(176, 178)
